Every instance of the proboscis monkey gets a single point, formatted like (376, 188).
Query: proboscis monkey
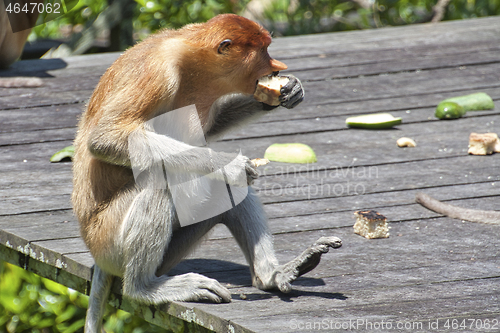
(134, 231)
(12, 43)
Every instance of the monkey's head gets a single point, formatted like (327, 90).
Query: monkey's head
(236, 48)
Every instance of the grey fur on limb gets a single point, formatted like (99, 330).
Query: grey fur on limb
(471, 215)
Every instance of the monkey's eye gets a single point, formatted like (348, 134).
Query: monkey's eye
(224, 45)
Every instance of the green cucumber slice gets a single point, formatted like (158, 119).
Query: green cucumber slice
(290, 153)
(473, 102)
(66, 152)
(374, 121)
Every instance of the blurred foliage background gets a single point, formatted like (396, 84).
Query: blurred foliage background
(29, 303)
(283, 17)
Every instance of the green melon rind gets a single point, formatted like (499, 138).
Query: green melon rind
(290, 153)
(66, 152)
(473, 102)
(374, 121)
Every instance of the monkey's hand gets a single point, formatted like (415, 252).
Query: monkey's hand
(292, 93)
(240, 171)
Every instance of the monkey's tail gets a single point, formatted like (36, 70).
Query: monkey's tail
(471, 215)
(99, 293)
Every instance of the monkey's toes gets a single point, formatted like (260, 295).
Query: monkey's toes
(314, 253)
(285, 287)
(333, 242)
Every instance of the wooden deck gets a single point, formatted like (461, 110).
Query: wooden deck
(432, 271)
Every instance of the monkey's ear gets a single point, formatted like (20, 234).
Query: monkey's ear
(224, 45)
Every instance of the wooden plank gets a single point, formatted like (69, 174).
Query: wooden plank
(402, 84)
(47, 124)
(37, 99)
(34, 66)
(407, 55)
(72, 92)
(370, 200)
(329, 66)
(435, 35)
(348, 108)
(35, 184)
(443, 132)
(36, 219)
(406, 261)
(40, 118)
(64, 136)
(321, 71)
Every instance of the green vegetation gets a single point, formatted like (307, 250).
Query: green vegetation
(30, 303)
(295, 17)
(283, 17)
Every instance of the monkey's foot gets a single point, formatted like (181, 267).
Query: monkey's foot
(192, 287)
(307, 261)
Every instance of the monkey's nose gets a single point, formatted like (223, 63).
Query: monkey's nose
(277, 65)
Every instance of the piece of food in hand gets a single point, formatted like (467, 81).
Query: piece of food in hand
(258, 162)
(473, 102)
(484, 144)
(406, 142)
(374, 121)
(290, 153)
(268, 89)
(371, 224)
(449, 110)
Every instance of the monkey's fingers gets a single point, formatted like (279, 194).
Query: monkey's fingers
(292, 93)
(252, 173)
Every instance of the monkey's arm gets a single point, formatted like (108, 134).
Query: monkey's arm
(141, 150)
(235, 110)
(472, 215)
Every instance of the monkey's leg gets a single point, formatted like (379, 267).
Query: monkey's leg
(99, 292)
(147, 231)
(248, 225)
(182, 243)
(306, 262)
